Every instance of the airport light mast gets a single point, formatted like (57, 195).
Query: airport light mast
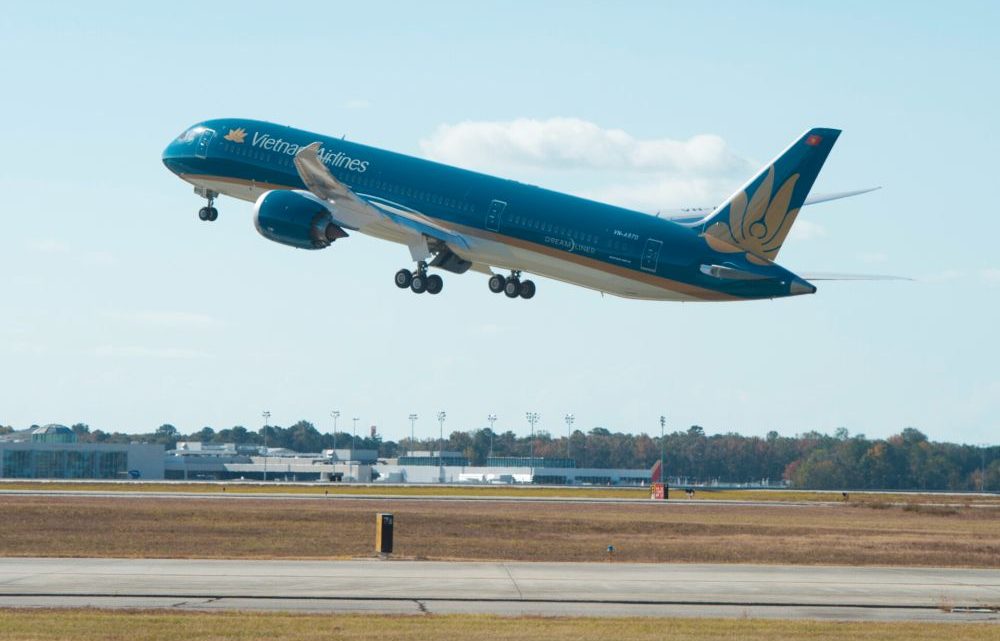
(354, 437)
(492, 418)
(267, 418)
(569, 431)
(441, 417)
(663, 451)
(335, 414)
(532, 418)
(413, 420)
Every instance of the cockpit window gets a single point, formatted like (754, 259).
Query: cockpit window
(190, 134)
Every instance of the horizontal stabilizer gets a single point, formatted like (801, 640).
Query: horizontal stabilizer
(822, 198)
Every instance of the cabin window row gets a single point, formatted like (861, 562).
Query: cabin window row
(361, 180)
(548, 228)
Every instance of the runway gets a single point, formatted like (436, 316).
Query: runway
(292, 496)
(549, 589)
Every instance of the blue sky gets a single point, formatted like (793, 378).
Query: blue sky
(122, 310)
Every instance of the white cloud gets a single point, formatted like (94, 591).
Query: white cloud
(665, 193)
(572, 143)
(990, 275)
(166, 319)
(615, 167)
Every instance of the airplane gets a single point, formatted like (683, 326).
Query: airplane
(310, 190)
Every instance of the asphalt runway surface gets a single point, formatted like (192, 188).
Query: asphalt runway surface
(510, 589)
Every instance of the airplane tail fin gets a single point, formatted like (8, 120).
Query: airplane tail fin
(757, 218)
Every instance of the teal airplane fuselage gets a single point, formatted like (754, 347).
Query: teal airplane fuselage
(488, 222)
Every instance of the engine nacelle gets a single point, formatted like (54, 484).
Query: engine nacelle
(295, 218)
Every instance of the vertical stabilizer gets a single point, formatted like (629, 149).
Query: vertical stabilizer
(757, 218)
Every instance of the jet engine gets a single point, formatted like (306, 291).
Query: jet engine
(295, 218)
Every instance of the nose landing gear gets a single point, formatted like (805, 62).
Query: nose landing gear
(209, 212)
(512, 286)
(419, 282)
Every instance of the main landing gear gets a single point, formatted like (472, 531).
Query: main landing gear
(209, 213)
(512, 286)
(419, 281)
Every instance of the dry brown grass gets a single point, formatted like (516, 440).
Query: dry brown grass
(644, 532)
(90, 625)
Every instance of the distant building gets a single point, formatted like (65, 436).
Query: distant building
(53, 433)
(432, 457)
(37, 459)
(192, 460)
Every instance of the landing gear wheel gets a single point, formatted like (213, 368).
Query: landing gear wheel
(434, 284)
(418, 284)
(203, 214)
(512, 288)
(527, 289)
(497, 283)
(213, 213)
(403, 278)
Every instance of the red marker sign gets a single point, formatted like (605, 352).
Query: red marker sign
(812, 140)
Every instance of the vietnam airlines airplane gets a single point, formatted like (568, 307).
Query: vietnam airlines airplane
(311, 190)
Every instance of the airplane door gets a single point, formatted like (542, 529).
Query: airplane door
(651, 255)
(493, 215)
(206, 138)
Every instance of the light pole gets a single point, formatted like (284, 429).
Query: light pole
(441, 417)
(492, 418)
(267, 417)
(413, 420)
(982, 468)
(569, 431)
(335, 414)
(663, 451)
(532, 418)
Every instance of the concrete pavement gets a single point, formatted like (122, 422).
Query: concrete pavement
(579, 589)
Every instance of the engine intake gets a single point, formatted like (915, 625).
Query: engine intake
(295, 218)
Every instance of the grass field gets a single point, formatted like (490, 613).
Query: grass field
(136, 526)
(91, 625)
(497, 491)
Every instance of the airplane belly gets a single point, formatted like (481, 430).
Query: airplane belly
(499, 254)
(234, 188)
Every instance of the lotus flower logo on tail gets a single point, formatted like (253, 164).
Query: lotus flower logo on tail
(758, 227)
(236, 135)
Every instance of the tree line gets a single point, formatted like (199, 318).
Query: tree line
(813, 460)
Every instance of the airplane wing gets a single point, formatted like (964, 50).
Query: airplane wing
(355, 212)
(351, 211)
